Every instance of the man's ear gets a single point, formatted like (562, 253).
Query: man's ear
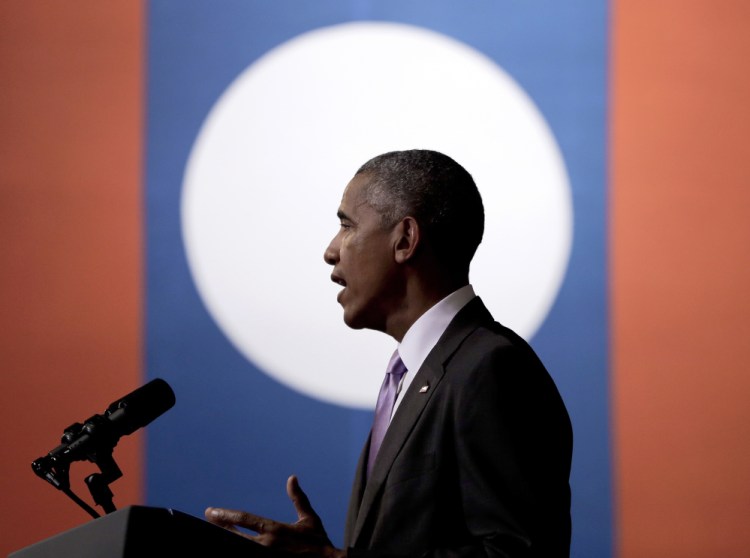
(407, 239)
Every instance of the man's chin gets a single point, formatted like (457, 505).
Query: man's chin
(359, 320)
(353, 322)
(356, 319)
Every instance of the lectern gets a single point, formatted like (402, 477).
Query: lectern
(145, 532)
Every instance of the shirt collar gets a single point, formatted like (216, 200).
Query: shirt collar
(424, 334)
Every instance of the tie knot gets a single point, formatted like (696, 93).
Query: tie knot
(396, 366)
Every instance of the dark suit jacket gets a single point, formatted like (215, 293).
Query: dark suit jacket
(475, 465)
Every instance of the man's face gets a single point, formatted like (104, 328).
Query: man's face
(362, 256)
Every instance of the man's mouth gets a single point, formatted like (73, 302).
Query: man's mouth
(339, 281)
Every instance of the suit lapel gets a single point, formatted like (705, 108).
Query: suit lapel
(403, 421)
(407, 414)
(405, 418)
(355, 499)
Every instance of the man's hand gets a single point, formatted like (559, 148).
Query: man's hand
(305, 536)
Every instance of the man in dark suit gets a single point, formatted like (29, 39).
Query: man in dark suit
(470, 453)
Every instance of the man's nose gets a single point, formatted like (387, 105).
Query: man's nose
(331, 254)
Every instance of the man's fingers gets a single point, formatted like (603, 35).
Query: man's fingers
(230, 518)
(299, 499)
(306, 536)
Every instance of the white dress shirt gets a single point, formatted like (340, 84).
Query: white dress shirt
(424, 334)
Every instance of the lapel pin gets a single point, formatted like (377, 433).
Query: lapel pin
(424, 389)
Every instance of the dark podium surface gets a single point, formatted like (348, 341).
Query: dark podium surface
(144, 532)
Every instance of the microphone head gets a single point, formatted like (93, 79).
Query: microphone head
(140, 407)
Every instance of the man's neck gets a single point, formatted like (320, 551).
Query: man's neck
(419, 297)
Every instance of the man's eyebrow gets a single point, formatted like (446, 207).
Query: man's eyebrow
(343, 216)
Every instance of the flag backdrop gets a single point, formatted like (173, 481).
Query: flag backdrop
(646, 337)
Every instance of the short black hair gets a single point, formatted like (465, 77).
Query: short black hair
(434, 189)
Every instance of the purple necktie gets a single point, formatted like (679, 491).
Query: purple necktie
(384, 407)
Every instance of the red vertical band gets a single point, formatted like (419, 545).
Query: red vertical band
(681, 277)
(71, 111)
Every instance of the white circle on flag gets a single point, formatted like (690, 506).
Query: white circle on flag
(267, 170)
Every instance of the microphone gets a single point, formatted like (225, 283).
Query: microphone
(100, 433)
